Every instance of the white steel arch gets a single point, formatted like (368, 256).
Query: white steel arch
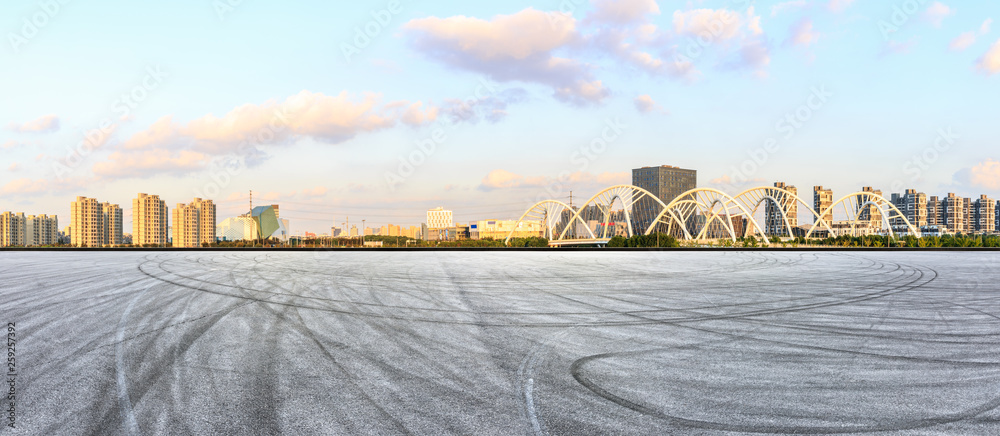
(711, 203)
(630, 196)
(550, 212)
(752, 198)
(854, 204)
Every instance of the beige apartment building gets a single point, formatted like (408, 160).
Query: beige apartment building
(207, 219)
(41, 230)
(869, 215)
(86, 223)
(187, 222)
(149, 221)
(12, 230)
(113, 224)
(822, 200)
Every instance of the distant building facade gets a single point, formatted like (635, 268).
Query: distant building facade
(439, 218)
(822, 200)
(985, 215)
(12, 230)
(666, 183)
(41, 230)
(782, 206)
(113, 224)
(86, 223)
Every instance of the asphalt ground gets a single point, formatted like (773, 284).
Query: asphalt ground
(552, 342)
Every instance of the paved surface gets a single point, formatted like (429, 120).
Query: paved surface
(504, 342)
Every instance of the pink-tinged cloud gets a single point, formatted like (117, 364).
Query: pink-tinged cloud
(151, 162)
(963, 41)
(989, 63)
(519, 47)
(10, 144)
(802, 33)
(318, 191)
(645, 104)
(622, 12)
(169, 147)
(839, 5)
(937, 12)
(46, 124)
(14, 167)
(722, 24)
(986, 175)
(25, 187)
(966, 39)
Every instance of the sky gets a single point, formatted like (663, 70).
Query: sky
(382, 110)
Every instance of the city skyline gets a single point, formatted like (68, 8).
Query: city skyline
(370, 126)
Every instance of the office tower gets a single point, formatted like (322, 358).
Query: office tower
(822, 200)
(113, 224)
(86, 223)
(985, 215)
(776, 213)
(666, 183)
(149, 221)
(12, 230)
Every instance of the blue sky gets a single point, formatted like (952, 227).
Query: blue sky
(526, 100)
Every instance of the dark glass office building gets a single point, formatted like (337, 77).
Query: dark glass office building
(666, 183)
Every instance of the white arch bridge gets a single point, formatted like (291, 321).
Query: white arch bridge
(709, 214)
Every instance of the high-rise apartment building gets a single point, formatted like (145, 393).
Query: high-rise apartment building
(666, 183)
(186, 226)
(438, 219)
(113, 224)
(86, 223)
(913, 206)
(12, 230)
(41, 230)
(149, 221)
(869, 215)
(952, 213)
(775, 213)
(969, 222)
(985, 215)
(934, 213)
(822, 200)
(207, 220)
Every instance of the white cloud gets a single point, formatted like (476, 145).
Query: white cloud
(518, 47)
(45, 124)
(985, 27)
(14, 167)
(937, 12)
(622, 12)
(986, 175)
